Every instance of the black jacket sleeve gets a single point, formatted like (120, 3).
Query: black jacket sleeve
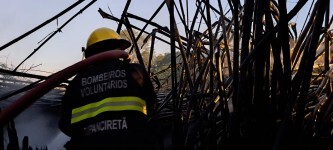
(145, 82)
(66, 113)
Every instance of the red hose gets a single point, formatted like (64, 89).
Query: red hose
(31, 96)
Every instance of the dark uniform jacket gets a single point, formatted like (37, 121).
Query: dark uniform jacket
(105, 107)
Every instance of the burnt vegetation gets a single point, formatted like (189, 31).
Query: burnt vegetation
(238, 74)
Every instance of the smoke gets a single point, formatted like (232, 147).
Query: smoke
(39, 121)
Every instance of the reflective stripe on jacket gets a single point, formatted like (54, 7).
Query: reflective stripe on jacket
(108, 104)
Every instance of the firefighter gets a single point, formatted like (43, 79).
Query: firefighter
(107, 105)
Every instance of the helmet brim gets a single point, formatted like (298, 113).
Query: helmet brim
(107, 45)
(125, 44)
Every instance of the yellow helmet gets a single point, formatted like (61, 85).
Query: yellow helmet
(103, 39)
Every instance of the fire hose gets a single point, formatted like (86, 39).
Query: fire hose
(54, 80)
